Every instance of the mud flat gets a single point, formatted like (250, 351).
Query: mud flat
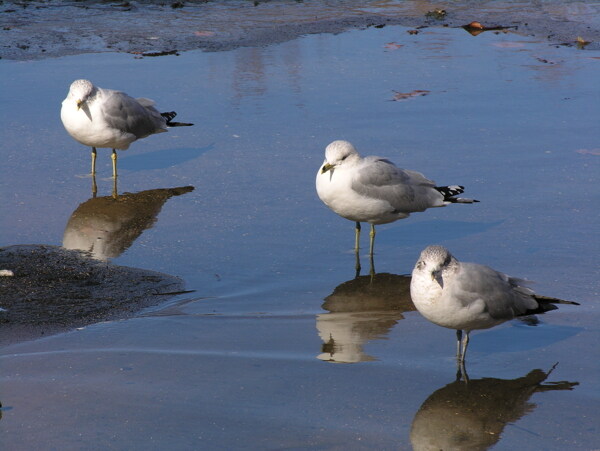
(55, 290)
(40, 29)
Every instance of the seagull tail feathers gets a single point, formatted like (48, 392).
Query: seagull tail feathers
(545, 304)
(454, 190)
(169, 116)
(550, 300)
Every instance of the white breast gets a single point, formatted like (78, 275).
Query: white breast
(335, 190)
(88, 127)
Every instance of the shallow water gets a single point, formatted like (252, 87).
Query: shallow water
(240, 363)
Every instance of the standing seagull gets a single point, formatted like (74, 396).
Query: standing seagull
(376, 191)
(468, 296)
(99, 117)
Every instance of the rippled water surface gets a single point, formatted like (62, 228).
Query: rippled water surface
(280, 346)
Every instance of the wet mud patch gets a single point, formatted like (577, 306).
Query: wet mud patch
(41, 29)
(55, 290)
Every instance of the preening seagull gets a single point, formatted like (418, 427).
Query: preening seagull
(376, 191)
(469, 296)
(98, 117)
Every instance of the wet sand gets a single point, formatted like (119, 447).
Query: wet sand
(54, 290)
(39, 29)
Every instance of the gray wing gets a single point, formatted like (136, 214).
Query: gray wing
(405, 190)
(505, 297)
(129, 115)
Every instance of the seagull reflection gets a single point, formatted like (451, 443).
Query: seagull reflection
(106, 226)
(472, 414)
(360, 310)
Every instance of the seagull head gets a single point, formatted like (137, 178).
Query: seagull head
(433, 260)
(337, 153)
(80, 91)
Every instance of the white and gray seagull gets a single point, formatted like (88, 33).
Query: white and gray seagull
(375, 190)
(98, 117)
(469, 296)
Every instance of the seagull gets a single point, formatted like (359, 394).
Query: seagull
(469, 296)
(375, 190)
(98, 117)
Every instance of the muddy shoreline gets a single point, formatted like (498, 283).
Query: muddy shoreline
(40, 29)
(55, 290)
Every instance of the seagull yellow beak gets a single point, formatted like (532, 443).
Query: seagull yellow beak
(326, 167)
(79, 103)
(434, 276)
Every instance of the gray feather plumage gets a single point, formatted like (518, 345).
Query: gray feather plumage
(135, 116)
(406, 191)
(505, 297)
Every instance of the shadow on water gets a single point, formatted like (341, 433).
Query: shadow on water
(421, 234)
(3, 409)
(107, 226)
(523, 336)
(162, 159)
(359, 310)
(472, 414)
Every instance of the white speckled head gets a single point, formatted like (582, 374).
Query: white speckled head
(338, 151)
(80, 90)
(434, 258)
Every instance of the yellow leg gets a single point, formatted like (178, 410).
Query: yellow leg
(114, 162)
(461, 346)
(357, 237)
(372, 235)
(94, 186)
(115, 193)
(464, 346)
(356, 248)
(93, 160)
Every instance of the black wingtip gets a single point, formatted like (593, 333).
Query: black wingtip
(449, 193)
(170, 115)
(549, 300)
(547, 304)
(179, 124)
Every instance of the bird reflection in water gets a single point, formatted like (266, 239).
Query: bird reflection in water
(471, 414)
(106, 226)
(359, 310)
